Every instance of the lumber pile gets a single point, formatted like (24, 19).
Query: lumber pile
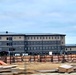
(66, 68)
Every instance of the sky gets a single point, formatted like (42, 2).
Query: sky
(39, 16)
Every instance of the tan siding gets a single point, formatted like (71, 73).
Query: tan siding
(16, 38)
(63, 40)
(73, 49)
(3, 38)
(45, 39)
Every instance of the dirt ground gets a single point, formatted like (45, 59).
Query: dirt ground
(30, 68)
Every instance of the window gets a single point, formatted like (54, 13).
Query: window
(52, 37)
(19, 47)
(25, 43)
(0, 48)
(44, 48)
(55, 47)
(37, 42)
(52, 42)
(27, 37)
(28, 42)
(46, 42)
(0, 43)
(40, 42)
(19, 37)
(25, 48)
(14, 43)
(9, 38)
(19, 42)
(70, 48)
(62, 37)
(43, 37)
(37, 48)
(58, 37)
(59, 47)
(31, 42)
(34, 37)
(37, 37)
(40, 37)
(52, 47)
(58, 42)
(31, 48)
(11, 49)
(49, 47)
(30, 37)
(41, 48)
(0, 37)
(49, 37)
(28, 48)
(34, 48)
(62, 42)
(9, 44)
(14, 37)
(46, 37)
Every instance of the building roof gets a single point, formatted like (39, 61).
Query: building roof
(70, 45)
(29, 34)
(46, 34)
(10, 34)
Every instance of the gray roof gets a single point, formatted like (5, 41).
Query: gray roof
(70, 45)
(46, 34)
(9, 33)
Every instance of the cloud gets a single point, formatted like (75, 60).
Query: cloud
(46, 16)
(71, 39)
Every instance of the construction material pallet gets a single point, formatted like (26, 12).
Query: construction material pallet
(12, 72)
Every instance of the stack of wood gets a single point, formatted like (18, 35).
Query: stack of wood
(66, 68)
(48, 58)
(26, 58)
(55, 59)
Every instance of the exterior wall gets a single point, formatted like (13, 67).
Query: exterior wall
(18, 38)
(62, 40)
(3, 38)
(16, 42)
(14, 38)
(44, 44)
(70, 49)
(44, 38)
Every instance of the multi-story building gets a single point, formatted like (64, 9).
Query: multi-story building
(32, 43)
(70, 49)
(12, 42)
(44, 43)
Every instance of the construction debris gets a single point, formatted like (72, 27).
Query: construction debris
(66, 68)
(47, 71)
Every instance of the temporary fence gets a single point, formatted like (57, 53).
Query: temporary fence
(38, 58)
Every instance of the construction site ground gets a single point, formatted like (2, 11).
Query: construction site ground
(31, 68)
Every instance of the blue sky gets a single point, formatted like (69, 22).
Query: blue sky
(39, 16)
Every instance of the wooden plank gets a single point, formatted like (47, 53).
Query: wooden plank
(6, 73)
(5, 70)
